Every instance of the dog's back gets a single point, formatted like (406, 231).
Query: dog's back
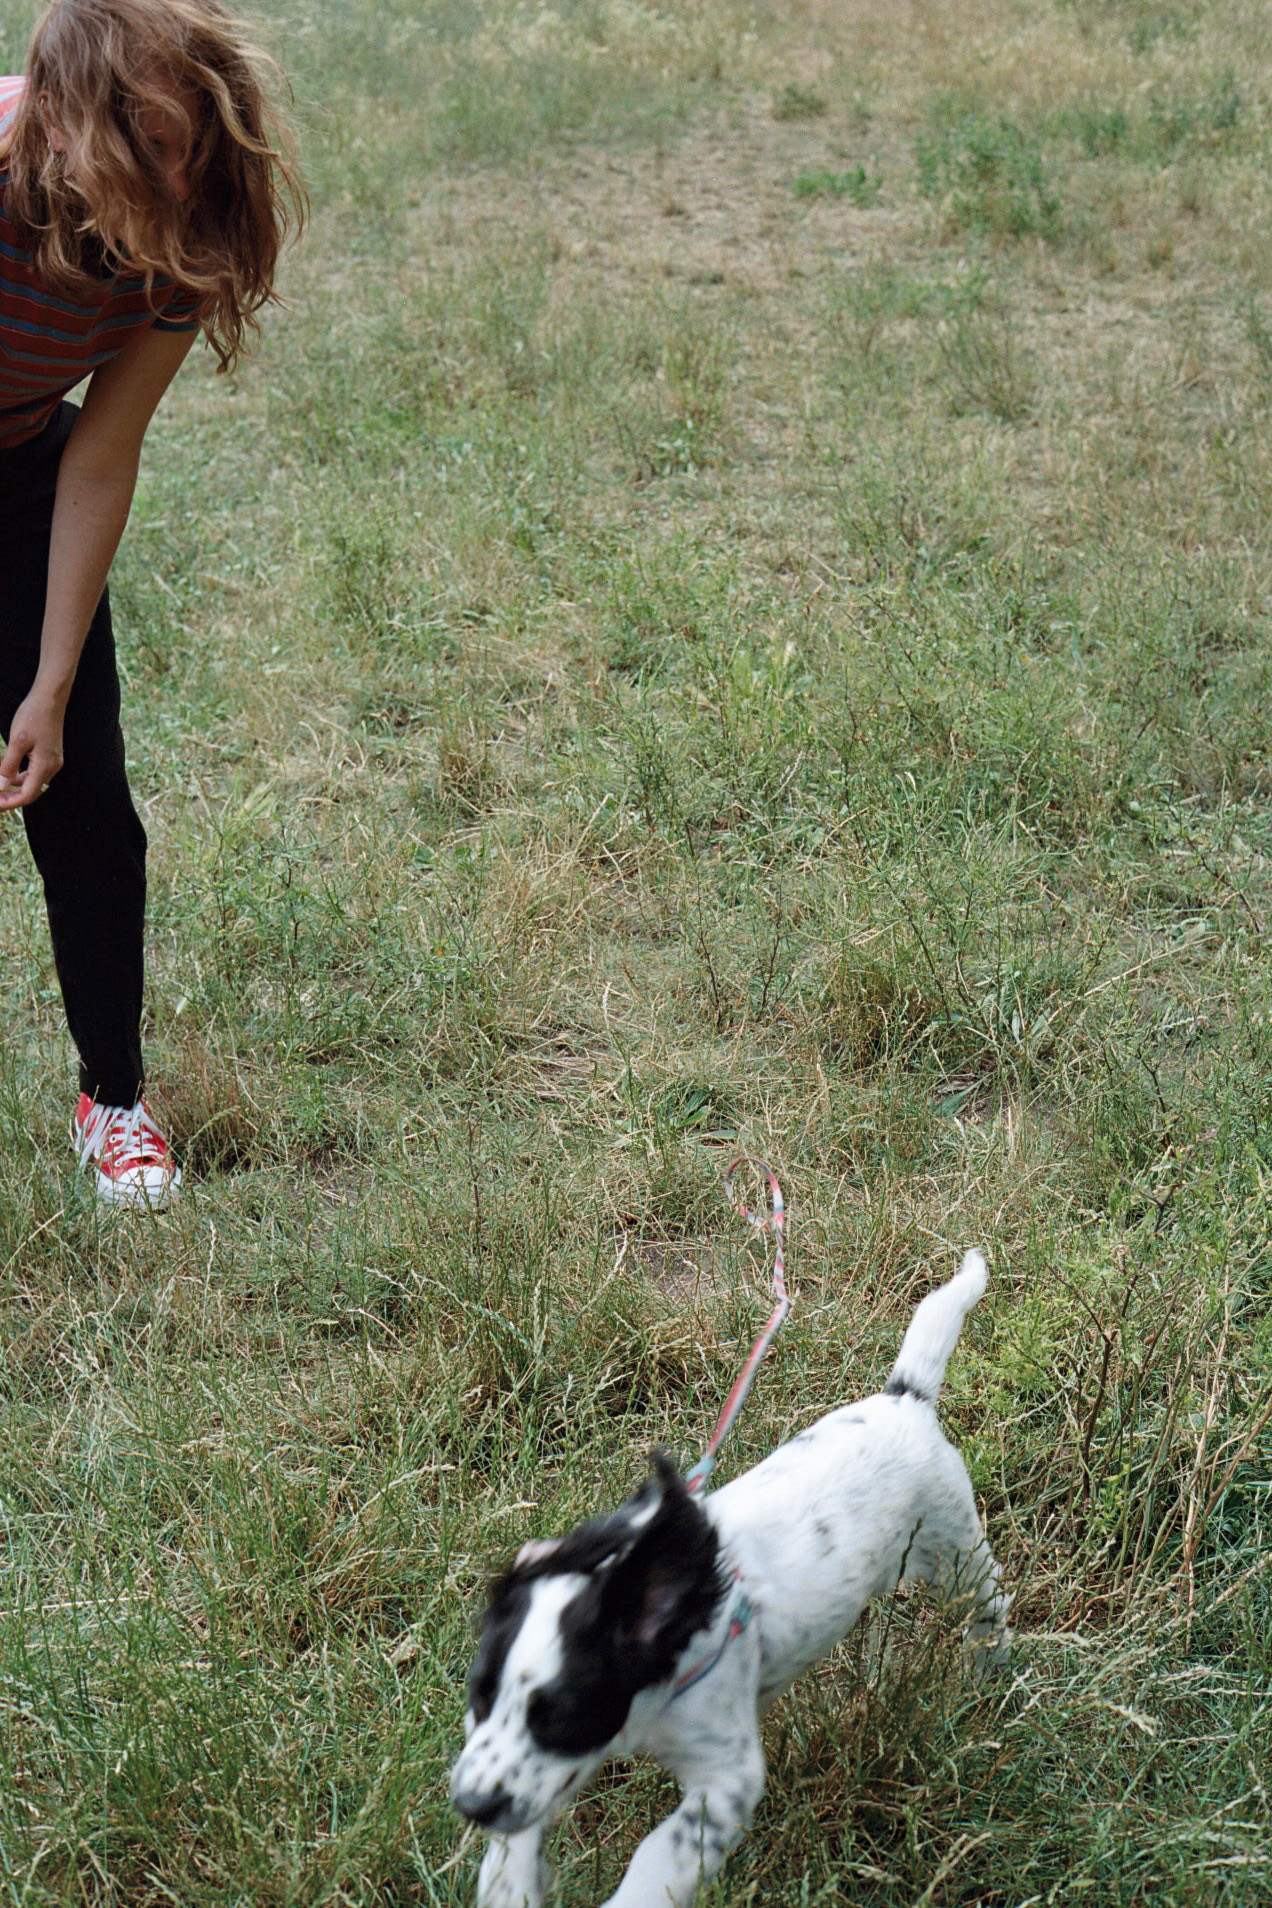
(860, 1499)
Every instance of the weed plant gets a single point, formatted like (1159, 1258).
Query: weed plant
(988, 176)
(799, 102)
(986, 367)
(857, 184)
(645, 664)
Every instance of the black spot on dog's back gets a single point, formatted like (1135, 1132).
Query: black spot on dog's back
(899, 1386)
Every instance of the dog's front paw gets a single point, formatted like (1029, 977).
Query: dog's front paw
(990, 1656)
(513, 1873)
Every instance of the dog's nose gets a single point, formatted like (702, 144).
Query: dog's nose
(485, 1809)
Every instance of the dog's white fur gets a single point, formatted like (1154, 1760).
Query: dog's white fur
(869, 1496)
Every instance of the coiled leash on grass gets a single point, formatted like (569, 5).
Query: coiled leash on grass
(764, 1222)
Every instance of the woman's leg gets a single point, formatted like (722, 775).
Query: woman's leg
(90, 848)
(85, 834)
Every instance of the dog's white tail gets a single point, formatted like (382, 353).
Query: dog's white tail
(934, 1329)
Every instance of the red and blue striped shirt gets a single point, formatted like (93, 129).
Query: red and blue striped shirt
(49, 343)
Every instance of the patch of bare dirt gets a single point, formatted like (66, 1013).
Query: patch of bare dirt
(717, 208)
(682, 1269)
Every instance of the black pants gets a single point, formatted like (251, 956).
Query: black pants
(88, 842)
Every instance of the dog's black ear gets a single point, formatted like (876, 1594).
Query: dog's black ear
(666, 1585)
(600, 1542)
(539, 1550)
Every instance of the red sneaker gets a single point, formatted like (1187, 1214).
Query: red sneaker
(132, 1161)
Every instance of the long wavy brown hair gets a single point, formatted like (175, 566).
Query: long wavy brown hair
(87, 183)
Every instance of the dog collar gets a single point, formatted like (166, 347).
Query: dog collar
(739, 1617)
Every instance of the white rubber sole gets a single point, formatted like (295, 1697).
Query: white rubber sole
(134, 1198)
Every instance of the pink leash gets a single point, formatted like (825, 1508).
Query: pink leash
(774, 1221)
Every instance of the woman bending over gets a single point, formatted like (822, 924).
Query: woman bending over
(145, 195)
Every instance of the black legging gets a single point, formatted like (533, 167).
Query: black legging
(88, 842)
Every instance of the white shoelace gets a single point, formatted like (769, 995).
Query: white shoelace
(131, 1129)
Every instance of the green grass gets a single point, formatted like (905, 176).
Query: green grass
(856, 184)
(649, 661)
(988, 175)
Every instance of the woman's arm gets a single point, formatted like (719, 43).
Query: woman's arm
(95, 484)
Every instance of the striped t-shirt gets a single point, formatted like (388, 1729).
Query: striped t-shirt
(48, 343)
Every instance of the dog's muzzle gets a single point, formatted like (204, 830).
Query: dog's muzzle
(493, 1810)
(481, 1796)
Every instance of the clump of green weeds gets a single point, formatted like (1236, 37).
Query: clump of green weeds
(988, 176)
(986, 368)
(862, 187)
(1213, 118)
(1099, 129)
(1159, 128)
(797, 101)
(673, 420)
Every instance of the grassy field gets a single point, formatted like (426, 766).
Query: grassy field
(730, 610)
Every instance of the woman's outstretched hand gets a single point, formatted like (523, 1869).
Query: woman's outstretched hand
(34, 754)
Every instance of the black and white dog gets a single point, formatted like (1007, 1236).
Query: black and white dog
(668, 1628)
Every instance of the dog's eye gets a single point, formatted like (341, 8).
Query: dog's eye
(570, 1720)
(543, 1717)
